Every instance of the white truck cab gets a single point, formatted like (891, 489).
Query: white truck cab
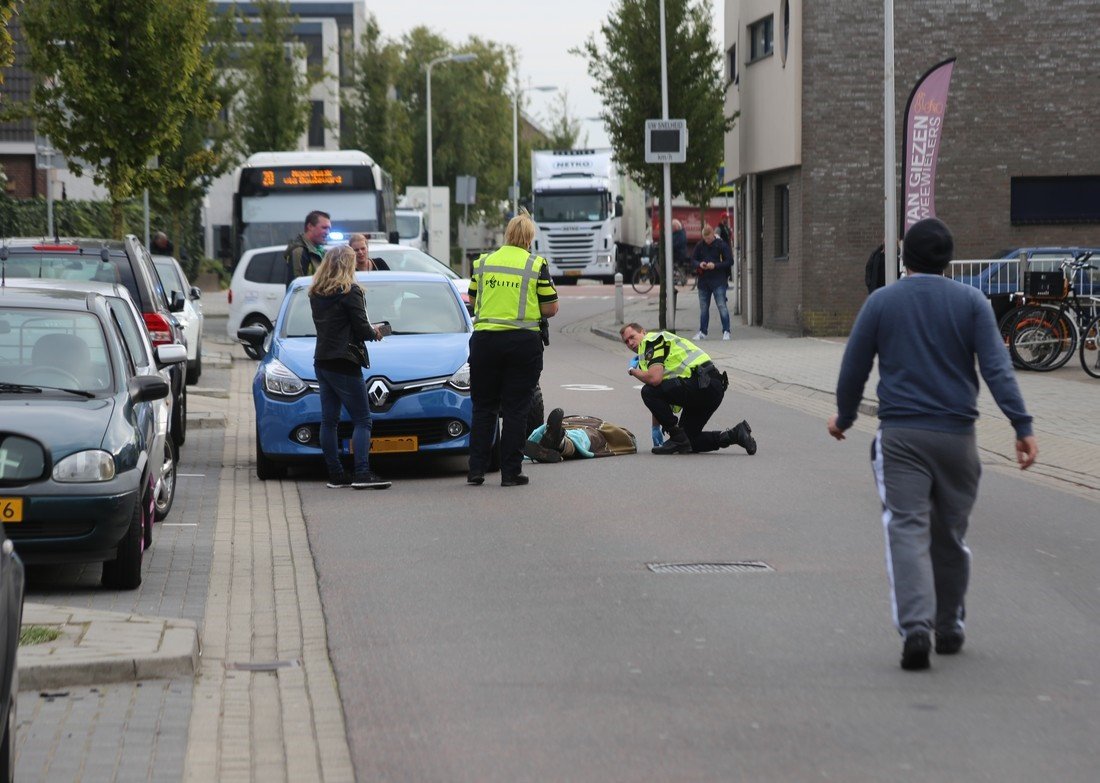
(412, 228)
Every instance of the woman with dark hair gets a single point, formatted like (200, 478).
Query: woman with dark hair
(340, 317)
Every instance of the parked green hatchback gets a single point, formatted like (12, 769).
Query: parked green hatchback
(77, 424)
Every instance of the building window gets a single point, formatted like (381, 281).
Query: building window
(761, 38)
(731, 63)
(782, 221)
(786, 29)
(1039, 200)
(317, 124)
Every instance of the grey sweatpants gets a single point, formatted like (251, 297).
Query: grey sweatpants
(927, 482)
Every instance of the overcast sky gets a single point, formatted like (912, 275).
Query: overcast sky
(542, 32)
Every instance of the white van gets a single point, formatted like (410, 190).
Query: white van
(412, 229)
(259, 282)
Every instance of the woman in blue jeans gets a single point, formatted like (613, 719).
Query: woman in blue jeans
(712, 261)
(340, 317)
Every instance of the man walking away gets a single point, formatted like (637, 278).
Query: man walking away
(305, 252)
(926, 331)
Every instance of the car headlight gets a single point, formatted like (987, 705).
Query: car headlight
(278, 379)
(461, 379)
(85, 466)
(603, 258)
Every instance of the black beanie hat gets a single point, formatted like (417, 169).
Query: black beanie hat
(928, 246)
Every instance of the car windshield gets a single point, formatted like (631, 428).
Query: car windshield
(409, 307)
(53, 349)
(570, 207)
(412, 260)
(408, 226)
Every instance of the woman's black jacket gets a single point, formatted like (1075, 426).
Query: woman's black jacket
(342, 326)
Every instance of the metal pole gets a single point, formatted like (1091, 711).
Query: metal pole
(428, 101)
(666, 229)
(889, 164)
(49, 199)
(515, 152)
(465, 229)
(145, 205)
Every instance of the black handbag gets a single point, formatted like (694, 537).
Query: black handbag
(359, 354)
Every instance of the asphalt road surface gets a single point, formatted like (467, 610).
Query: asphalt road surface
(517, 634)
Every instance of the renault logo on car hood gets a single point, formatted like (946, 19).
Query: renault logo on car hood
(378, 391)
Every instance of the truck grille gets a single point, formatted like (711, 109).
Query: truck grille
(571, 250)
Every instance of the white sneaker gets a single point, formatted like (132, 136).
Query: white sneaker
(700, 336)
(725, 335)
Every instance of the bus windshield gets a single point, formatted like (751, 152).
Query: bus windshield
(570, 207)
(275, 218)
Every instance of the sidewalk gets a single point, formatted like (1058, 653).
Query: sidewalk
(802, 372)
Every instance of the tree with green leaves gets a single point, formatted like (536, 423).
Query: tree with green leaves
(208, 140)
(627, 73)
(274, 106)
(115, 83)
(375, 120)
(7, 49)
(565, 129)
(471, 116)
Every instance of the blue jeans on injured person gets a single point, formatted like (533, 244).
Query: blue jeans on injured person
(344, 391)
(719, 294)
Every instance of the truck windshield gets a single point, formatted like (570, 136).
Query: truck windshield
(570, 207)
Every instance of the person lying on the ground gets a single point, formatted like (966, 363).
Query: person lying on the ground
(577, 437)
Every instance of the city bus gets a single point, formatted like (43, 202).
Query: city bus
(276, 190)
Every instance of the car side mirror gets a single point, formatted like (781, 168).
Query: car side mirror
(394, 238)
(170, 353)
(146, 388)
(176, 302)
(196, 293)
(618, 209)
(255, 336)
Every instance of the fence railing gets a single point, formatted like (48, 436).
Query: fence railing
(996, 276)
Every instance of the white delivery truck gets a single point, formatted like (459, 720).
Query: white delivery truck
(591, 218)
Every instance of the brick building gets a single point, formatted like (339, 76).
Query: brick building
(1019, 140)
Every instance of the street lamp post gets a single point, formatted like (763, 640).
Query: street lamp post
(515, 140)
(447, 58)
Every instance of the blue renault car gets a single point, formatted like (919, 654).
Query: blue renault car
(418, 382)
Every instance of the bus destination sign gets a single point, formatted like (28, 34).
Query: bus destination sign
(301, 178)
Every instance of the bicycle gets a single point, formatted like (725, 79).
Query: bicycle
(1089, 351)
(647, 275)
(1042, 337)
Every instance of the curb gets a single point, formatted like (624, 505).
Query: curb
(161, 648)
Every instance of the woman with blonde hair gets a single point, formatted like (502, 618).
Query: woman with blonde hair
(340, 317)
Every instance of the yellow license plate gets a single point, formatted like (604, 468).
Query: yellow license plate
(572, 273)
(11, 509)
(393, 445)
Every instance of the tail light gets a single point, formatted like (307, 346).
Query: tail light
(160, 331)
(229, 294)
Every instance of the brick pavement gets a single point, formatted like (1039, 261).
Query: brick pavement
(263, 607)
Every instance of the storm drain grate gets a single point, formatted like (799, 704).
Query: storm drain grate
(262, 666)
(738, 567)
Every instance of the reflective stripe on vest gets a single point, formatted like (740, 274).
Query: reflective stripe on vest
(527, 275)
(691, 357)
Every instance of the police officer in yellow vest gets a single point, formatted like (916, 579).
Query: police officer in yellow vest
(674, 371)
(510, 290)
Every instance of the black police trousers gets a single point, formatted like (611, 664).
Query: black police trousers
(698, 405)
(504, 371)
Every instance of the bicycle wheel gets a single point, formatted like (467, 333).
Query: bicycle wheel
(1042, 338)
(643, 279)
(1090, 348)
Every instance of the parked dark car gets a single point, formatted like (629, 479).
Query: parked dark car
(123, 261)
(79, 461)
(11, 616)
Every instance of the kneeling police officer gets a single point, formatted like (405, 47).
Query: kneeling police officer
(675, 371)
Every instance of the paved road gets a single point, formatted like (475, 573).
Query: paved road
(490, 634)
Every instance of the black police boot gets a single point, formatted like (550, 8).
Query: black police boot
(677, 443)
(554, 434)
(741, 435)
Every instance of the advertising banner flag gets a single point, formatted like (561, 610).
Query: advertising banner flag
(924, 115)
